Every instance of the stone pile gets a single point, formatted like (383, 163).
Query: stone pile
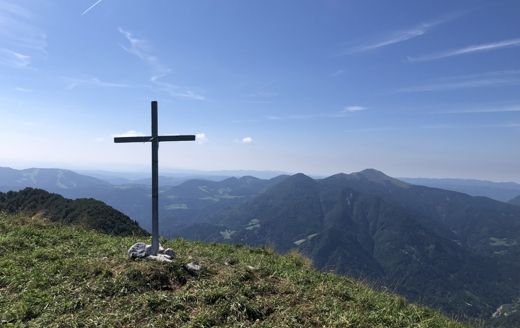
(143, 251)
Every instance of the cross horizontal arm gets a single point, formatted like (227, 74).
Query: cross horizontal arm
(177, 138)
(132, 139)
(160, 138)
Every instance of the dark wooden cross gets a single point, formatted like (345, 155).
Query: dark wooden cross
(155, 139)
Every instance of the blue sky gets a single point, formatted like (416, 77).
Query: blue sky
(413, 88)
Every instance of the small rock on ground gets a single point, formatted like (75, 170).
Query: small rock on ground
(193, 267)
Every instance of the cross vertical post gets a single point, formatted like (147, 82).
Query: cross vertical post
(154, 139)
(155, 180)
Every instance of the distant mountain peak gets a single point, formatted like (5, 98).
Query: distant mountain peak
(298, 180)
(376, 176)
(248, 178)
(372, 173)
(300, 177)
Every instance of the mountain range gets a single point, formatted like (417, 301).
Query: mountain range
(442, 248)
(446, 249)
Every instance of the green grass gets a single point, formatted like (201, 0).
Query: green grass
(65, 276)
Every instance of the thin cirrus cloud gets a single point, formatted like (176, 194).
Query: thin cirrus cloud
(14, 59)
(94, 82)
(402, 35)
(481, 80)
(481, 110)
(21, 38)
(435, 127)
(345, 112)
(477, 126)
(142, 49)
(468, 50)
(354, 108)
(91, 7)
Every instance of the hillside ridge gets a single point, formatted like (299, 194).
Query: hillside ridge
(89, 213)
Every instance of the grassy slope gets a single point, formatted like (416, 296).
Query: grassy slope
(53, 275)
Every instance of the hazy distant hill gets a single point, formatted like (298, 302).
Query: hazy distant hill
(176, 177)
(502, 191)
(182, 203)
(438, 247)
(89, 213)
(64, 182)
(195, 200)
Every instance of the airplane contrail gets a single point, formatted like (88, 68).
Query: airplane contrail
(90, 8)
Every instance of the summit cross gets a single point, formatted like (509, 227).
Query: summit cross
(155, 139)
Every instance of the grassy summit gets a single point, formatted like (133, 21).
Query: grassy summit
(54, 275)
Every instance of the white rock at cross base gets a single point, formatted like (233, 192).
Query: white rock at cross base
(138, 250)
(159, 258)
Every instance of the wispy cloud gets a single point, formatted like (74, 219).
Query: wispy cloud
(476, 110)
(468, 50)
(434, 127)
(22, 40)
(14, 59)
(478, 126)
(142, 49)
(175, 90)
(402, 35)
(12, 8)
(345, 112)
(91, 7)
(488, 79)
(354, 108)
(93, 81)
